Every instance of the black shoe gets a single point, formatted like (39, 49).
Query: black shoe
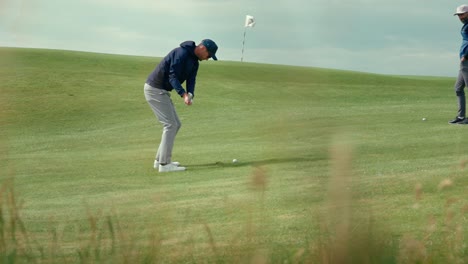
(457, 120)
(464, 122)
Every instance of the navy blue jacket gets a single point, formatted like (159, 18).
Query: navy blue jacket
(464, 46)
(180, 65)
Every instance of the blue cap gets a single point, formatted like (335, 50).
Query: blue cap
(211, 47)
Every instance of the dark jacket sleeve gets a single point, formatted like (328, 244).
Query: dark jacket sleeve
(191, 81)
(175, 69)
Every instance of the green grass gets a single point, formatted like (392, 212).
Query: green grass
(78, 139)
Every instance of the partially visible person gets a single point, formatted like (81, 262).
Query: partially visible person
(462, 80)
(179, 66)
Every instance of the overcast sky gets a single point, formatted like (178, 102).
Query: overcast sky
(406, 37)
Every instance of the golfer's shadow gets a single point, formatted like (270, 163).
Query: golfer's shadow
(220, 164)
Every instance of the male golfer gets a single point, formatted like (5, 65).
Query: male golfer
(180, 65)
(462, 80)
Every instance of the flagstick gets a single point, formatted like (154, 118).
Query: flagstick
(243, 44)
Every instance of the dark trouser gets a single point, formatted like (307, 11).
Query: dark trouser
(460, 84)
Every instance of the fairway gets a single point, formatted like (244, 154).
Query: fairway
(78, 142)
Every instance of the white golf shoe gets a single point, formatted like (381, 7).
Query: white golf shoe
(156, 164)
(170, 167)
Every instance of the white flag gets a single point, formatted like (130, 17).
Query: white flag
(249, 21)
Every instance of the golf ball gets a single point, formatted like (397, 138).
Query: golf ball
(424, 119)
(234, 161)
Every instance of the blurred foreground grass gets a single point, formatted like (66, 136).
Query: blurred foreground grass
(346, 232)
(334, 166)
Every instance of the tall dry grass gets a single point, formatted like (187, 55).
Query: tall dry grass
(443, 240)
(346, 235)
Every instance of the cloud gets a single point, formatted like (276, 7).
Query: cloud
(118, 33)
(390, 60)
(365, 35)
(173, 7)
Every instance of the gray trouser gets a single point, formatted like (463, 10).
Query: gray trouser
(460, 84)
(162, 106)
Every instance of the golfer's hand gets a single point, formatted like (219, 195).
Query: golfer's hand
(187, 99)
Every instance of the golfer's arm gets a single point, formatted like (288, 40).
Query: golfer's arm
(191, 84)
(173, 72)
